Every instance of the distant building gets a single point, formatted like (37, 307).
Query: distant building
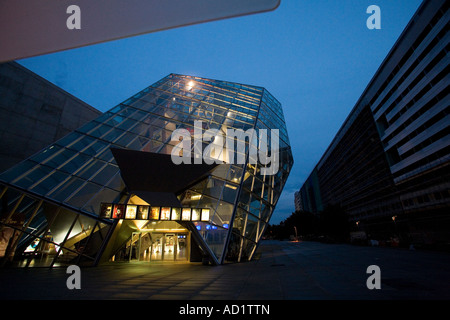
(388, 166)
(34, 113)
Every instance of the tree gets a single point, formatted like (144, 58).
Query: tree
(334, 223)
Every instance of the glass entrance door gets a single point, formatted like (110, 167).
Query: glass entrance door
(182, 247)
(168, 247)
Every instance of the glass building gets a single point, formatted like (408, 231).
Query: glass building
(53, 204)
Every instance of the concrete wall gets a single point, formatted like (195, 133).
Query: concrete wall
(34, 113)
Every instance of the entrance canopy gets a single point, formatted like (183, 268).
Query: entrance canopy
(155, 178)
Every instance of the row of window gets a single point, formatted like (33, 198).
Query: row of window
(438, 16)
(430, 198)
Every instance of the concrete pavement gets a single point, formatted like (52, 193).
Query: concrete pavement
(282, 271)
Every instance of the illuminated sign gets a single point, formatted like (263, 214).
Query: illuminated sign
(131, 211)
(140, 212)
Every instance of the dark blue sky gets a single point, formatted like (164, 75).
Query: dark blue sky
(315, 56)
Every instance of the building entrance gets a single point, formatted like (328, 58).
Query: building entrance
(154, 246)
(137, 240)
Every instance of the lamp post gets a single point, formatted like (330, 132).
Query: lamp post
(395, 224)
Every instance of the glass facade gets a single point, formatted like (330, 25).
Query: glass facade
(57, 193)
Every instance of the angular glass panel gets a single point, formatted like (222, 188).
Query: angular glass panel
(60, 158)
(33, 176)
(244, 200)
(104, 116)
(230, 192)
(234, 247)
(67, 189)
(91, 169)
(82, 143)
(69, 139)
(116, 182)
(18, 170)
(248, 247)
(266, 211)
(49, 183)
(113, 135)
(222, 214)
(139, 115)
(91, 243)
(214, 188)
(235, 174)
(138, 143)
(88, 127)
(126, 139)
(100, 131)
(261, 230)
(252, 227)
(83, 195)
(248, 181)
(140, 129)
(106, 195)
(106, 155)
(46, 153)
(75, 163)
(106, 174)
(190, 198)
(255, 205)
(216, 237)
(95, 148)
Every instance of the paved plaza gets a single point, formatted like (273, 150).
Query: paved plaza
(282, 271)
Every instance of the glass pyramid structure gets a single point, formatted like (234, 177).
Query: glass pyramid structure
(50, 203)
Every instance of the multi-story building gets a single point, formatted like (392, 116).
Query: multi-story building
(113, 189)
(298, 201)
(388, 166)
